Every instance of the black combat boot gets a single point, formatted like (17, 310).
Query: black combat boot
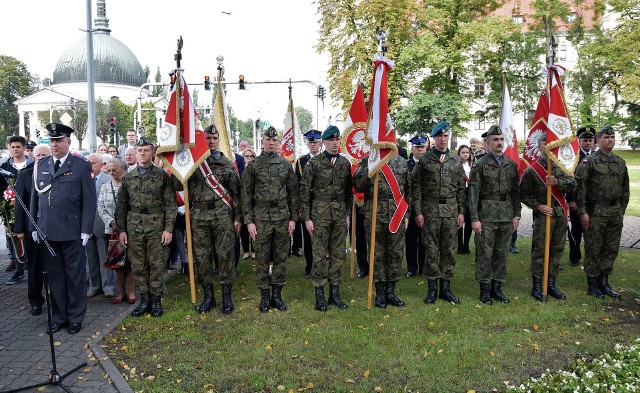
(536, 289)
(276, 298)
(496, 292)
(553, 291)
(392, 298)
(184, 269)
(264, 300)
(209, 300)
(143, 307)
(334, 297)
(594, 287)
(321, 304)
(431, 292)
(485, 293)
(445, 291)
(603, 281)
(227, 302)
(381, 301)
(156, 306)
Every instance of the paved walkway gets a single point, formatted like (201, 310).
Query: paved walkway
(25, 358)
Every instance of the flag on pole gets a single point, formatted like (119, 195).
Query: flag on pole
(293, 146)
(220, 119)
(538, 126)
(183, 162)
(562, 146)
(169, 137)
(381, 136)
(353, 142)
(507, 126)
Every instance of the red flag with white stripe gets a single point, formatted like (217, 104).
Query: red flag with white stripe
(538, 127)
(507, 125)
(353, 142)
(169, 136)
(562, 146)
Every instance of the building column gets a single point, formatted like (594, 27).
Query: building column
(33, 122)
(21, 130)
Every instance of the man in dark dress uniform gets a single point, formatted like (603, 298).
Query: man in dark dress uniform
(64, 203)
(412, 237)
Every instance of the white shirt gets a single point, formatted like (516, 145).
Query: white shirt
(62, 160)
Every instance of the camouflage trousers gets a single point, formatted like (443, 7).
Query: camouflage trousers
(207, 235)
(148, 258)
(558, 236)
(439, 237)
(601, 244)
(389, 251)
(272, 239)
(491, 251)
(328, 238)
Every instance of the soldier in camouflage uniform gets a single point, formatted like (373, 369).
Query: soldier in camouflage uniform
(326, 199)
(389, 247)
(438, 189)
(494, 209)
(602, 196)
(214, 222)
(145, 216)
(270, 203)
(533, 193)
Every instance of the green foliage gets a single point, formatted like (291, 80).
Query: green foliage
(149, 121)
(158, 91)
(426, 109)
(15, 82)
(305, 118)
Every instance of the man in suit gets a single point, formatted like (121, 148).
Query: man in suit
(100, 279)
(132, 137)
(64, 203)
(24, 187)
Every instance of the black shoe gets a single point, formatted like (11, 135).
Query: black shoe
(411, 274)
(553, 291)
(208, 300)
(513, 248)
(156, 306)
(392, 298)
(536, 289)
(16, 278)
(227, 301)
(276, 298)
(445, 291)
(334, 297)
(594, 287)
(605, 288)
(321, 304)
(381, 299)
(362, 274)
(264, 300)
(74, 328)
(143, 307)
(55, 327)
(485, 293)
(431, 292)
(574, 263)
(297, 252)
(496, 292)
(36, 310)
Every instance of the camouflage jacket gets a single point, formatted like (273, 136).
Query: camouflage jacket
(200, 193)
(494, 191)
(148, 201)
(438, 188)
(533, 192)
(386, 204)
(270, 190)
(326, 189)
(603, 185)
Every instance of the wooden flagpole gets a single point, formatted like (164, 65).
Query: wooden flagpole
(187, 219)
(372, 246)
(353, 239)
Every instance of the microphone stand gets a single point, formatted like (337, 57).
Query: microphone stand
(54, 376)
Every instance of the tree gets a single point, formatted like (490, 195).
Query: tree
(147, 72)
(149, 121)
(80, 121)
(158, 90)
(15, 82)
(426, 109)
(305, 118)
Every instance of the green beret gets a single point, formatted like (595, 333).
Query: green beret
(270, 132)
(211, 129)
(494, 130)
(143, 141)
(606, 130)
(440, 128)
(330, 133)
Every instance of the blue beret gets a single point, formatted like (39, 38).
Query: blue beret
(440, 128)
(418, 140)
(57, 131)
(313, 136)
(331, 132)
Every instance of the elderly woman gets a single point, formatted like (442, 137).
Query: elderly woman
(107, 210)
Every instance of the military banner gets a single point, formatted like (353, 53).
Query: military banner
(353, 142)
(179, 122)
(293, 146)
(507, 125)
(538, 128)
(220, 119)
(183, 162)
(562, 146)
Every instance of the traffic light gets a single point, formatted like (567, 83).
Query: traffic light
(321, 92)
(112, 125)
(258, 124)
(207, 83)
(241, 82)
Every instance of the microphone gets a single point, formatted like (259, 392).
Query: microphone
(7, 173)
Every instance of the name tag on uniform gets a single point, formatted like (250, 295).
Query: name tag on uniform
(45, 173)
(67, 174)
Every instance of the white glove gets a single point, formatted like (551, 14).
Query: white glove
(181, 210)
(34, 235)
(85, 238)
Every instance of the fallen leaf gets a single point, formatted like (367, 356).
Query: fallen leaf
(527, 330)
(606, 319)
(281, 387)
(169, 369)
(349, 380)
(366, 373)
(377, 389)
(306, 342)
(440, 350)
(309, 385)
(536, 327)
(57, 343)
(269, 348)
(124, 348)
(492, 354)
(80, 378)
(431, 324)
(178, 380)
(471, 391)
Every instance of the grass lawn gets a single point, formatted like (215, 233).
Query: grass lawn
(417, 348)
(631, 157)
(633, 209)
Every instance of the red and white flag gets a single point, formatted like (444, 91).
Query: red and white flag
(183, 162)
(507, 125)
(538, 127)
(562, 146)
(180, 114)
(381, 136)
(353, 142)
(293, 146)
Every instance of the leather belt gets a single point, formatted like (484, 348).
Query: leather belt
(440, 201)
(272, 204)
(147, 210)
(614, 202)
(204, 205)
(497, 198)
(329, 198)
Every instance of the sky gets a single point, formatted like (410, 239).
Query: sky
(262, 40)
